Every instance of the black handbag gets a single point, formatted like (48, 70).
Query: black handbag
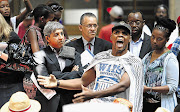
(21, 56)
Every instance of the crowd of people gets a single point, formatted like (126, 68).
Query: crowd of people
(129, 61)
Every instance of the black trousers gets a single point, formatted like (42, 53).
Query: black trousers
(48, 105)
(150, 107)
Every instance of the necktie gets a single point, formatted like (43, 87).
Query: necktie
(89, 46)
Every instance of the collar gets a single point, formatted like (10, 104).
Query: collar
(142, 36)
(155, 22)
(65, 52)
(124, 55)
(85, 41)
(55, 50)
(140, 39)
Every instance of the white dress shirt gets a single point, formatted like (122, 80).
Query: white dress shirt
(135, 47)
(86, 46)
(60, 60)
(146, 30)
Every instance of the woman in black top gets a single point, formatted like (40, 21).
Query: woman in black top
(10, 81)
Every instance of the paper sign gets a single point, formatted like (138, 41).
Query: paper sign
(86, 57)
(48, 93)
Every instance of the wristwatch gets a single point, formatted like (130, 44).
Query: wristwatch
(58, 83)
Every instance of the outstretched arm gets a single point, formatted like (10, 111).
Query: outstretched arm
(72, 84)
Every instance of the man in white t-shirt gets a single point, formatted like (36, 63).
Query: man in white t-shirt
(113, 74)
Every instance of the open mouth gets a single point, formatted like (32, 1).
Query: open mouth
(120, 43)
(6, 12)
(134, 30)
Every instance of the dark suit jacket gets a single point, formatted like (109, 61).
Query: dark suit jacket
(146, 46)
(99, 45)
(48, 64)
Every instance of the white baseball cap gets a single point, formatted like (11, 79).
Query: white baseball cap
(115, 11)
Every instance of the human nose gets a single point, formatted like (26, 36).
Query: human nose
(133, 24)
(161, 13)
(6, 7)
(154, 40)
(60, 37)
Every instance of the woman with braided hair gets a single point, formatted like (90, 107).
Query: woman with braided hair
(161, 71)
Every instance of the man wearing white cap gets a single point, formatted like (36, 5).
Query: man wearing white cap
(116, 15)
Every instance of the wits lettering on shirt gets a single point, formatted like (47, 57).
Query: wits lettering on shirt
(110, 68)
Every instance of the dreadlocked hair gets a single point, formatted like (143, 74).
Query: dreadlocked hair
(166, 25)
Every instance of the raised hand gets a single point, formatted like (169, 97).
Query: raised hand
(48, 82)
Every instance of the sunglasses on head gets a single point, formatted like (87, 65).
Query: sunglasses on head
(56, 8)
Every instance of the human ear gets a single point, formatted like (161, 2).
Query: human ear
(47, 38)
(80, 27)
(143, 22)
(42, 19)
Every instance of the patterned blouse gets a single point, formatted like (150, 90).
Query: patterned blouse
(153, 75)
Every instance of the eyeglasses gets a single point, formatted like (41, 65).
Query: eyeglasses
(91, 25)
(163, 12)
(136, 22)
(56, 8)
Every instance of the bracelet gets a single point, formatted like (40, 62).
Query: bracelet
(150, 90)
(58, 83)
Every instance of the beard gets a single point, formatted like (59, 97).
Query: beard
(136, 34)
